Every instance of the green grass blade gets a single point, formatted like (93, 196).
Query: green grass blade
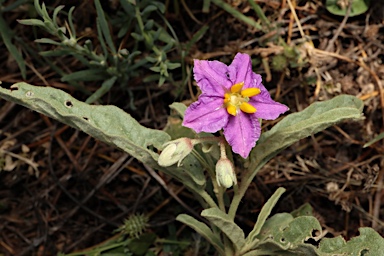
(235, 13)
(104, 26)
(6, 35)
(105, 87)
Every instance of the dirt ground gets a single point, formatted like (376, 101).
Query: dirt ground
(62, 191)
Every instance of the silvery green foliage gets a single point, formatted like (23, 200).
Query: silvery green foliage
(108, 124)
(280, 234)
(113, 66)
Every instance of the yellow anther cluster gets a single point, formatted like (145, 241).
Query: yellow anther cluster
(237, 99)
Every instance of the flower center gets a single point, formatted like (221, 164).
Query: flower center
(237, 99)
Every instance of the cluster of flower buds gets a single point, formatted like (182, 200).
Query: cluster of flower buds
(175, 151)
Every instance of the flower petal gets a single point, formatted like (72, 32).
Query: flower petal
(211, 77)
(266, 107)
(241, 71)
(206, 115)
(242, 132)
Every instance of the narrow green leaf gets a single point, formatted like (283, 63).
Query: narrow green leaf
(56, 52)
(47, 41)
(105, 87)
(86, 75)
(45, 14)
(104, 26)
(206, 5)
(263, 215)
(13, 5)
(70, 22)
(148, 9)
(374, 140)
(32, 22)
(101, 40)
(203, 230)
(6, 35)
(226, 225)
(196, 37)
(38, 8)
(236, 14)
(55, 13)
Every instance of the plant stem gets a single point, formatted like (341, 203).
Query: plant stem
(235, 13)
(240, 191)
(259, 12)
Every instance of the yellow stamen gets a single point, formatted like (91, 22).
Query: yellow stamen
(226, 98)
(237, 87)
(250, 92)
(247, 108)
(231, 110)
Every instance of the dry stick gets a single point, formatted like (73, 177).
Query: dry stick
(141, 194)
(340, 28)
(171, 192)
(377, 200)
(80, 204)
(93, 230)
(190, 13)
(290, 27)
(296, 18)
(8, 106)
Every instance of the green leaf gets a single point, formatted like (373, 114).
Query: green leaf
(32, 22)
(106, 123)
(72, 29)
(288, 233)
(13, 5)
(196, 37)
(296, 126)
(368, 243)
(203, 230)
(304, 210)
(105, 87)
(55, 13)
(179, 108)
(47, 41)
(206, 5)
(102, 21)
(263, 215)
(6, 35)
(374, 140)
(226, 225)
(329, 245)
(139, 246)
(86, 75)
(338, 7)
(236, 14)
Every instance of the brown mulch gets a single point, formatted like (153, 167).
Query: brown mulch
(61, 190)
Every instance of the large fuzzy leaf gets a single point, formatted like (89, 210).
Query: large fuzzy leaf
(296, 126)
(106, 123)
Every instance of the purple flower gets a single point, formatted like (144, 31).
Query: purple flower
(232, 99)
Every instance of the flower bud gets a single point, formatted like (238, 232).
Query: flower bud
(175, 151)
(225, 173)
